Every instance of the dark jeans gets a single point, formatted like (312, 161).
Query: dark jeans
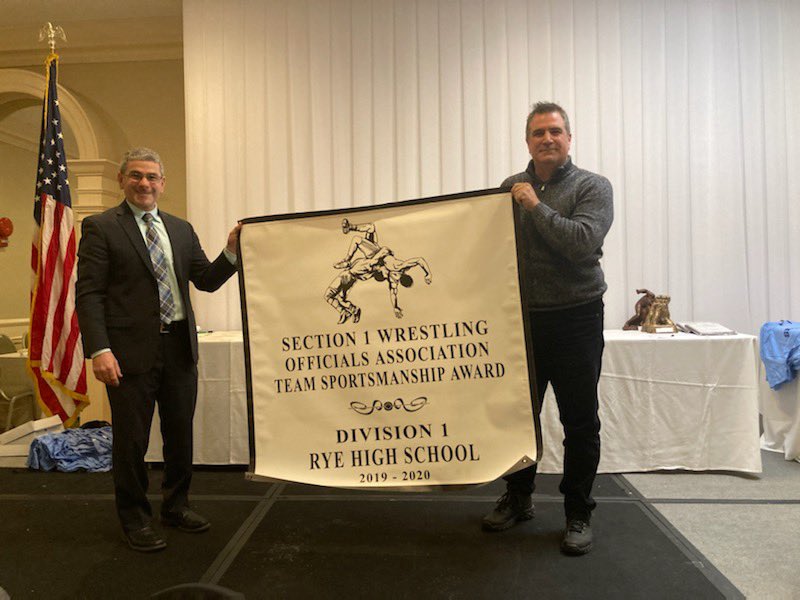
(568, 351)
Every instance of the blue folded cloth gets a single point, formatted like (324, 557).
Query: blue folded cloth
(72, 450)
(780, 351)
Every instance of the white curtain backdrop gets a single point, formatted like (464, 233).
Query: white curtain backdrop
(691, 108)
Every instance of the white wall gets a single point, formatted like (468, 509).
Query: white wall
(686, 106)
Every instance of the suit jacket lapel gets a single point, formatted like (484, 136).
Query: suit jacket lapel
(173, 231)
(128, 223)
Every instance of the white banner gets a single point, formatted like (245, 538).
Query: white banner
(386, 345)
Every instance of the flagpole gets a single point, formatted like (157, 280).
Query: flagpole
(51, 33)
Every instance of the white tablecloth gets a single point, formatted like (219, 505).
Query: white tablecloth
(780, 412)
(667, 402)
(671, 401)
(220, 420)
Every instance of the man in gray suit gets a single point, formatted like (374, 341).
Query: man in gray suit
(138, 327)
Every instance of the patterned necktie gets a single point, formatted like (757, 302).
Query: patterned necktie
(159, 261)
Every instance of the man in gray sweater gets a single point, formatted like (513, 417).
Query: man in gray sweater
(565, 213)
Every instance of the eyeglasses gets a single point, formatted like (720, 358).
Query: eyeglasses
(151, 177)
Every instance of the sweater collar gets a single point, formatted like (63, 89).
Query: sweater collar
(559, 174)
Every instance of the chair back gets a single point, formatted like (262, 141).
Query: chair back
(14, 376)
(17, 399)
(6, 345)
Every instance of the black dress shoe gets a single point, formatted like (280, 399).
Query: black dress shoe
(145, 539)
(186, 520)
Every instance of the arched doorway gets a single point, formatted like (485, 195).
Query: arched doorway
(93, 171)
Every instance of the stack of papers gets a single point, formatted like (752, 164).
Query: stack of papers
(705, 328)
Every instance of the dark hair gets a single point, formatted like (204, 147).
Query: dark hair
(141, 153)
(545, 108)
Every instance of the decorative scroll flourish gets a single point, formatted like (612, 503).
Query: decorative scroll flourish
(389, 405)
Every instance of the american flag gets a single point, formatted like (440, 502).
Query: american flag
(55, 352)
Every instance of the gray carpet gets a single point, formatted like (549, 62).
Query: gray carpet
(61, 540)
(746, 526)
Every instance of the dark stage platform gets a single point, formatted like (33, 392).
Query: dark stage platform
(60, 539)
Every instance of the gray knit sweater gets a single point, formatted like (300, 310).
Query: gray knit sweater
(561, 240)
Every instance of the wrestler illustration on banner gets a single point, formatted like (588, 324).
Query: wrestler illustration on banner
(366, 259)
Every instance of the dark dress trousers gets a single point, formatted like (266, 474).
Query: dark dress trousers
(118, 308)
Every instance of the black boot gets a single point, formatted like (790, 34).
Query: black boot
(511, 507)
(577, 538)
